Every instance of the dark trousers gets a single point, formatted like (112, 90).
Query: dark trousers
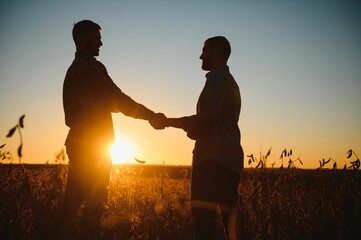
(214, 190)
(86, 191)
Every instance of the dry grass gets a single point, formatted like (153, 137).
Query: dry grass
(273, 204)
(286, 203)
(299, 204)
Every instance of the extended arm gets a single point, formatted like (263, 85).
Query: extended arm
(118, 101)
(183, 122)
(161, 122)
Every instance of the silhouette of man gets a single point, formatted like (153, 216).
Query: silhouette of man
(218, 154)
(89, 98)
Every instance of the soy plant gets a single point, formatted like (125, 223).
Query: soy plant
(262, 162)
(354, 164)
(5, 155)
(18, 127)
(287, 155)
(324, 162)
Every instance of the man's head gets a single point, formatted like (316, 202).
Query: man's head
(215, 53)
(87, 38)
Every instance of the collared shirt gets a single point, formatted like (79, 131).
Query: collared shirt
(215, 126)
(89, 98)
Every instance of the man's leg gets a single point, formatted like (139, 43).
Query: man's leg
(204, 223)
(212, 184)
(88, 179)
(96, 197)
(203, 204)
(228, 194)
(74, 194)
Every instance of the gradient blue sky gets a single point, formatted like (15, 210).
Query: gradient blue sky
(298, 65)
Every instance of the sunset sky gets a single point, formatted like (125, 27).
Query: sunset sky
(297, 63)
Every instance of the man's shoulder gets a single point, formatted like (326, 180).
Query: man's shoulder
(77, 70)
(79, 64)
(220, 76)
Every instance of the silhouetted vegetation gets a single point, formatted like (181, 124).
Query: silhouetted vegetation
(153, 202)
(18, 127)
(273, 204)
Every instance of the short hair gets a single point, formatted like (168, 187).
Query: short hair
(82, 28)
(221, 43)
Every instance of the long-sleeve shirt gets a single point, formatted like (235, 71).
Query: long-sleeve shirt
(89, 98)
(215, 126)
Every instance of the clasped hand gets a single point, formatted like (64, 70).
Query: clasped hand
(158, 121)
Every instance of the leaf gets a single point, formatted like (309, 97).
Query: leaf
(320, 163)
(301, 162)
(140, 161)
(2, 146)
(21, 121)
(11, 132)
(334, 165)
(328, 161)
(284, 153)
(268, 153)
(251, 157)
(349, 153)
(291, 152)
(20, 150)
(355, 164)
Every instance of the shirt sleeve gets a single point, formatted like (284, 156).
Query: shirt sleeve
(210, 109)
(187, 122)
(116, 100)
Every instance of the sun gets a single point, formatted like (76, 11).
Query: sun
(122, 151)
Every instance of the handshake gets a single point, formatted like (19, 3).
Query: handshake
(159, 121)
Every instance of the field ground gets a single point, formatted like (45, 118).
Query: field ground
(152, 202)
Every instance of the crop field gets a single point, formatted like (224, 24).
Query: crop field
(152, 202)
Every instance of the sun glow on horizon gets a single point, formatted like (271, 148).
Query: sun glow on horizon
(122, 151)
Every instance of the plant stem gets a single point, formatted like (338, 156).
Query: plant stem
(21, 141)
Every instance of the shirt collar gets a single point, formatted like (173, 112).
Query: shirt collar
(224, 68)
(84, 57)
